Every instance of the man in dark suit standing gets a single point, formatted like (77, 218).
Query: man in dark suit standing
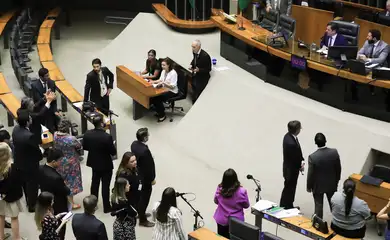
(51, 181)
(147, 171)
(39, 89)
(200, 67)
(101, 148)
(323, 174)
(332, 37)
(27, 156)
(85, 225)
(98, 86)
(293, 163)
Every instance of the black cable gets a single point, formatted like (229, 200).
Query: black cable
(339, 69)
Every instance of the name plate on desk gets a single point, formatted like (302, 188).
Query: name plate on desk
(298, 62)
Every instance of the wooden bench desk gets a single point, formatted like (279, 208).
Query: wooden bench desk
(44, 52)
(375, 197)
(366, 26)
(69, 92)
(44, 36)
(138, 89)
(48, 23)
(204, 234)
(54, 72)
(3, 85)
(54, 13)
(7, 16)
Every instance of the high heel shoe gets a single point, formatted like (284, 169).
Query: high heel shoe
(162, 119)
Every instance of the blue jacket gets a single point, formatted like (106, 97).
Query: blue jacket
(339, 41)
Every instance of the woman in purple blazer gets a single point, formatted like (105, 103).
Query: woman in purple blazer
(231, 199)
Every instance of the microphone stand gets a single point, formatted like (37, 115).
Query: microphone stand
(258, 189)
(196, 212)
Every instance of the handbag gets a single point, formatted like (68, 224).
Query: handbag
(319, 224)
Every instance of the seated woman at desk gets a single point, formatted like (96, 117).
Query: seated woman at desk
(385, 215)
(152, 69)
(349, 212)
(168, 79)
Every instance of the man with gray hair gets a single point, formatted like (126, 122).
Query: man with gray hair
(86, 225)
(200, 67)
(387, 12)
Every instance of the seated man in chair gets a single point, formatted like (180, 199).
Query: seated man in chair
(374, 50)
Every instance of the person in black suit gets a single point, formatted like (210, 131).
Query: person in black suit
(200, 67)
(323, 174)
(147, 171)
(85, 225)
(27, 157)
(40, 88)
(98, 86)
(37, 113)
(51, 181)
(101, 148)
(293, 163)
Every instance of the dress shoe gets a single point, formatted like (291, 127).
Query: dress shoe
(7, 224)
(146, 224)
(146, 215)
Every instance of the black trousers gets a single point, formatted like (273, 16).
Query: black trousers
(105, 178)
(319, 202)
(30, 187)
(103, 105)
(146, 192)
(290, 185)
(198, 85)
(158, 102)
(357, 233)
(223, 231)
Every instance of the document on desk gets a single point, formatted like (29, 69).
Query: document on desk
(293, 212)
(44, 129)
(384, 68)
(372, 65)
(323, 50)
(78, 105)
(263, 205)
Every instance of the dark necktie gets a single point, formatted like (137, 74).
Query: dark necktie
(296, 139)
(44, 87)
(372, 51)
(330, 42)
(195, 58)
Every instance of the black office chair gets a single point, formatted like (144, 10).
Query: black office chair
(182, 85)
(240, 230)
(349, 30)
(383, 19)
(287, 24)
(368, 15)
(270, 20)
(382, 172)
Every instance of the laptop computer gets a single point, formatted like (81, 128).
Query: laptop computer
(357, 66)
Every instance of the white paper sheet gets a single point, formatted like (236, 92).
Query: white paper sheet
(263, 205)
(372, 65)
(222, 68)
(293, 212)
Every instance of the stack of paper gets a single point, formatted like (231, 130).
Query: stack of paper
(293, 212)
(263, 205)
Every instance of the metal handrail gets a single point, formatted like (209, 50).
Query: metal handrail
(117, 20)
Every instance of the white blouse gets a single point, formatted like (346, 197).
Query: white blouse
(172, 229)
(171, 79)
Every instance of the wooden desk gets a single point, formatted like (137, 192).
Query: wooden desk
(376, 197)
(137, 88)
(53, 13)
(3, 85)
(204, 234)
(44, 52)
(366, 26)
(68, 91)
(182, 25)
(352, 9)
(48, 23)
(7, 16)
(44, 36)
(2, 27)
(306, 29)
(54, 72)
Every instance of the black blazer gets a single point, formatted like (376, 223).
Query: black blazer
(27, 153)
(92, 91)
(292, 153)
(324, 171)
(38, 93)
(127, 212)
(38, 119)
(134, 179)
(203, 62)
(88, 227)
(51, 181)
(145, 162)
(100, 147)
(11, 185)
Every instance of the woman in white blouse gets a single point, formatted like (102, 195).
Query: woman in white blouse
(168, 219)
(168, 79)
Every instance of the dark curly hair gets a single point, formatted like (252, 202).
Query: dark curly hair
(229, 184)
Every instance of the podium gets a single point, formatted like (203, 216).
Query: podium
(195, 10)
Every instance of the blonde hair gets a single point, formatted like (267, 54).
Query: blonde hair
(5, 159)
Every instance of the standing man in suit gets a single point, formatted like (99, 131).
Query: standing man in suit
(293, 163)
(101, 148)
(27, 156)
(332, 38)
(85, 225)
(323, 174)
(147, 171)
(51, 181)
(39, 89)
(374, 49)
(200, 67)
(98, 86)
(283, 6)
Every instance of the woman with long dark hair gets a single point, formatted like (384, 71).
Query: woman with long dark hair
(231, 199)
(152, 69)
(168, 218)
(128, 169)
(349, 212)
(124, 225)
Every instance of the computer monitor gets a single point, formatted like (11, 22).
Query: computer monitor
(240, 230)
(343, 52)
(383, 19)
